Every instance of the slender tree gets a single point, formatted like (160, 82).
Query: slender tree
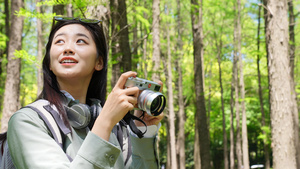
(5, 51)
(219, 46)
(171, 115)
(167, 112)
(280, 85)
(40, 47)
(245, 149)
(156, 39)
(115, 45)
(201, 130)
(236, 89)
(144, 57)
(124, 36)
(135, 38)
(260, 93)
(181, 111)
(69, 10)
(231, 152)
(219, 53)
(12, 84)
(170, 100)
(292, 67)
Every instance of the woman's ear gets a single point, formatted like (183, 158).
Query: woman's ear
(99, 64)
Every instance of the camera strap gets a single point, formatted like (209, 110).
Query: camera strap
(128, 118)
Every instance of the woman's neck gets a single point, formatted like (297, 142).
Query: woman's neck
(77, 89)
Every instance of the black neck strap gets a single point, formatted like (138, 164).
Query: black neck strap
(128, 118)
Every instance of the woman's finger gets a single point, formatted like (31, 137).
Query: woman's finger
(132, 91)
(132, 100)
(123, 78)
(161, 84)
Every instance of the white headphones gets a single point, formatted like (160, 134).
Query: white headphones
(81, 115)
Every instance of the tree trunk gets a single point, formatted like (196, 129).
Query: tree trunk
(40, 47)
(170, 101)
(7, 26)
(280, 85)
(124, 39)
(225, 150)
(231, 156)
(292, 66)
(181, 112)
(135, 38)
(69, 10)
(260, 94)
(209, 94)
(101, 12)
(167, 116)
(156, 40)
(144, 63)
(242, 90)
(236, 89)
(115, 46)
(181, 119)
(145, 58)
(200, 116)
(12, 84)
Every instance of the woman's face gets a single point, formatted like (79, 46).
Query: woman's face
(73, 53)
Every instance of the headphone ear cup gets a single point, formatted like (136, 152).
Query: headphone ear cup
(79, 115)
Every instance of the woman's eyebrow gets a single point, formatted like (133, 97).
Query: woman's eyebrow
(77, 34)
(60, 34)
(82, 34)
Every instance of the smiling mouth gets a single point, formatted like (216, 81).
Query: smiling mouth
(68, 61)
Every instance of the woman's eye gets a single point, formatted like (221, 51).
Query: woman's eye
(59, 41)
(81, 41)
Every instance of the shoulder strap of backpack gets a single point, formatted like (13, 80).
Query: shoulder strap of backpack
(50, 116)
(38, 107)
(3, 137)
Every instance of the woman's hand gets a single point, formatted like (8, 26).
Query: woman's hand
(117, 105)
(149, 120)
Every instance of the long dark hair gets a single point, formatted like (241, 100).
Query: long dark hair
(97, 86)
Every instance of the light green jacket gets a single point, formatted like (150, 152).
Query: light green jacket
(32, 147)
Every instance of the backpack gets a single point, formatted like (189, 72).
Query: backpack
(38, 106)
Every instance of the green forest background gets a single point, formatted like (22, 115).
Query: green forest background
(218, 37)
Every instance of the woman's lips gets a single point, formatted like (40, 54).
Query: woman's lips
(68, 61)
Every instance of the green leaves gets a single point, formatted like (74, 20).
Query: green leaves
(52, 2)
(266, 138)
(28, 59)
(45, 17)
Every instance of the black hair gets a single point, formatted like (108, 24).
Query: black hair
(97, 87)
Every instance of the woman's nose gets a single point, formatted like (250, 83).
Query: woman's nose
(69, 50)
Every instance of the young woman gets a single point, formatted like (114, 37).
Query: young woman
(75, 71)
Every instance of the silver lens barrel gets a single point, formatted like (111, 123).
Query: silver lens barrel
(152, 102)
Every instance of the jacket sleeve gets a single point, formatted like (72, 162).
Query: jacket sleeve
(32, 147)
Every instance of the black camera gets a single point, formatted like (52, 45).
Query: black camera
(150, 99)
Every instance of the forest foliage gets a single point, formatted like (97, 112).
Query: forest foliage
(218, 27)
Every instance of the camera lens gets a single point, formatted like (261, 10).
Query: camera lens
(155, 104)
(152, 102)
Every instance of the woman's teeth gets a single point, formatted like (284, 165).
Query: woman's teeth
(68, 61)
